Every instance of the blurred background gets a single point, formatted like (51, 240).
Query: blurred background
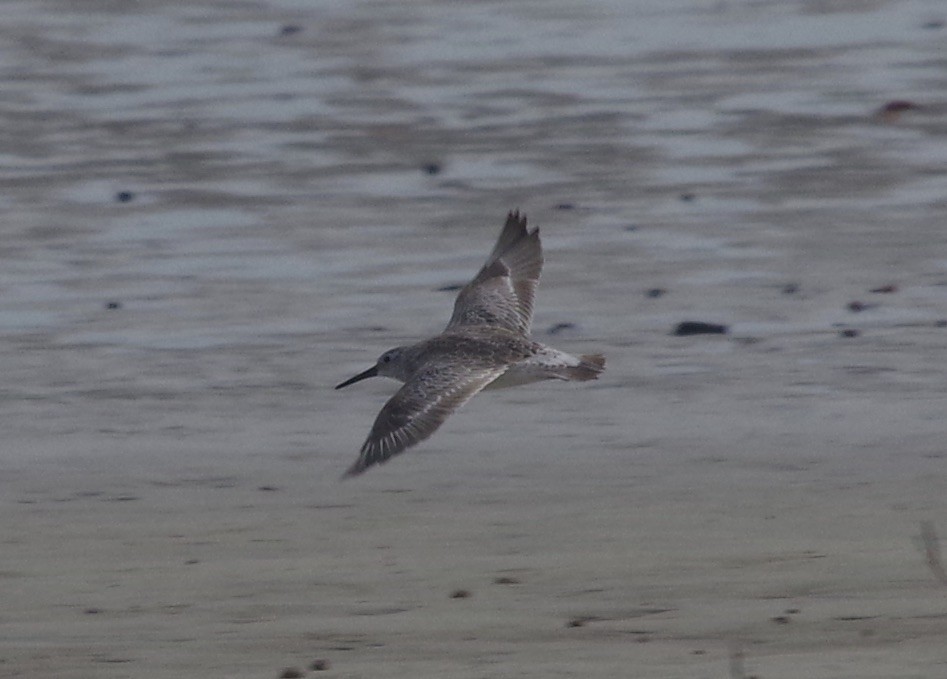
(192, 190)
(214, 211)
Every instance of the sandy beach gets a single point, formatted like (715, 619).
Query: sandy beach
(214, 212)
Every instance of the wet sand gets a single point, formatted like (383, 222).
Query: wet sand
(214, 212)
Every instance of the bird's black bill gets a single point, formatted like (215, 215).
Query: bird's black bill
(371, 372)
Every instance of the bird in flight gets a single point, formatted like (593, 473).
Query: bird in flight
(486, 345)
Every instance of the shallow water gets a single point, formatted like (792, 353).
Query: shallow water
(303, 177)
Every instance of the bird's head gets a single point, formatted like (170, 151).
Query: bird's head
(389, 364)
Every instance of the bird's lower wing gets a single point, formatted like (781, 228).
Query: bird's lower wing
(418, 409)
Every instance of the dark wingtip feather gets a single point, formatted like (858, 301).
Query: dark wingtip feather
(514, 216)
(352, 472)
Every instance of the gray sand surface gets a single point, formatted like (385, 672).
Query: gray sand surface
(302, 179)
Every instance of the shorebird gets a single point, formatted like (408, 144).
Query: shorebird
(486, 345)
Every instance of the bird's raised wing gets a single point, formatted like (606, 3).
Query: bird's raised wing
(419, 408)
(502, 293)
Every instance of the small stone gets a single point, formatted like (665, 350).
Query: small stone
(855, 307)
(577, 622)
(124, 196)
(686, 328)
(320, 665)
(111, 306)
(460, 594)
(885, 289)
(791, 611)
(565, 206)
(687, 197)
(291, 673)
(559, 327)
(432, 168)
(654, 293)
(892, 111)
(747, 341)
(780, 619)
(790, 289)
(932, 25)
(290, 29)
(900, 105)
(453, 287)
(92, 611)
(505, 580)
(850, 332)
(267, 489)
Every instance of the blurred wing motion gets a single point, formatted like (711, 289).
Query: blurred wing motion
(419, 408)
(502, 293)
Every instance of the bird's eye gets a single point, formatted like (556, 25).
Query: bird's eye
(386, 359)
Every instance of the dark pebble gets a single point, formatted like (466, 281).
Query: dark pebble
(113, 305)
(559, 327)
(932, 25)
(698, 651)
(565, 206)
(892, 111)
(92, 611)
(654, 293)
(899, 106)
(460, 594)
(432, 168)
(291, 673)
(791, 611)
(319, 665)
(686, 328)
(124, 196)
(506, 580)
(290, 29)
(885, 289)
(780, 620)
(856, 306)
(687, 197)
(850, 332)
(268, 489)
(451, 288)
(790, 289)
(631, 227)
(577, 622)
(191, 562)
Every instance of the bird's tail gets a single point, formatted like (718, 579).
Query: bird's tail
(589, 368)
